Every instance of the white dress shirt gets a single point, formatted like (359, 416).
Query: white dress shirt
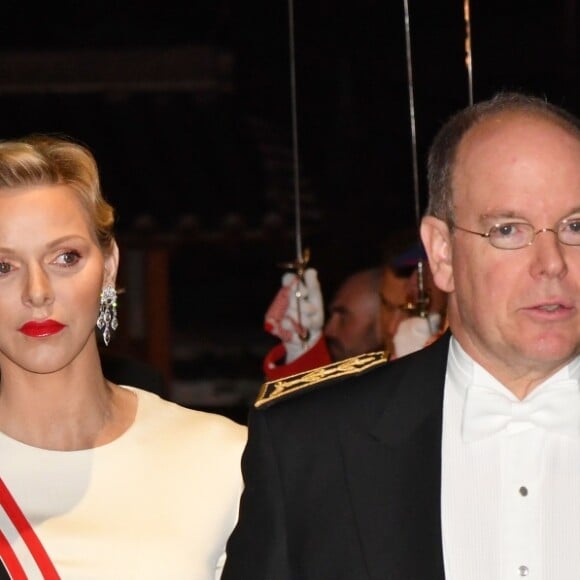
(510, 501)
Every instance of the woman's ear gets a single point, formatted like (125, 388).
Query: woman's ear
(111, 266)
(436, 239)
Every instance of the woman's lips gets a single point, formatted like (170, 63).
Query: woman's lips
(40, 329)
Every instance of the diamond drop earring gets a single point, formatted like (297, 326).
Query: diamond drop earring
(107, 320)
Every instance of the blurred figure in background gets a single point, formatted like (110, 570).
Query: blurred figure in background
(353, 325)
(374, 309)
(413, 309)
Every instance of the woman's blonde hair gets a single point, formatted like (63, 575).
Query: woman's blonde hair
(45, 160)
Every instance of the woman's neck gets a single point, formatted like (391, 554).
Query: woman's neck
(55, 411)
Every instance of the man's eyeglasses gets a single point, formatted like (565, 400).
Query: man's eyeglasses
(516, 235)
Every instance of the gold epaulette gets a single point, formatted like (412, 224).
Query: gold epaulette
(273, 391)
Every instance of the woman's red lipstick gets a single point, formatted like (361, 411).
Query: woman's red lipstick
(41, 329)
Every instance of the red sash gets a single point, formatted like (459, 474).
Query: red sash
(7, 554)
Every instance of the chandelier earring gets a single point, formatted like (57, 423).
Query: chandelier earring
(107, 320)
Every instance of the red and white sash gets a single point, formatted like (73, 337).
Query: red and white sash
(23, 555)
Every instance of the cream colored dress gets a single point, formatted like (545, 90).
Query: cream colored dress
(157, 503)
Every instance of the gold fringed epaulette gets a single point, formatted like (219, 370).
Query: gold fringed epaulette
(279, 389)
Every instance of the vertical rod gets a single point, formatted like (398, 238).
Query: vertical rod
(296, 163)
(412, 115)
(422, 302)
(468, 59)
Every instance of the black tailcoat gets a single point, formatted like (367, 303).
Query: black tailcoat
(344, 481)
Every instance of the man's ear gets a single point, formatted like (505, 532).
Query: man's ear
(111, 266)
(436, 239)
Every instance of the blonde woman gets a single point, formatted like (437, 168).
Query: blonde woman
(97, 480)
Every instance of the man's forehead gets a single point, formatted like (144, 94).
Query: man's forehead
(506, 148)
(514, 125)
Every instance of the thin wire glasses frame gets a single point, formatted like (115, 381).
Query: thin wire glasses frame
(517, 235)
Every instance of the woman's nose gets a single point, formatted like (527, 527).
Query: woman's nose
(37, 289)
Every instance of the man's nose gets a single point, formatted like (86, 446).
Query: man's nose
(549, 252)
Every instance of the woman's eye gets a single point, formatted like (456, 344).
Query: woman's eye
(5, 268)
(68, 258)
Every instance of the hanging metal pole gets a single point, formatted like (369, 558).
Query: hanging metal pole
(295, 156)
(421, 306)
(412, 114)
(302, 256)
(468, 59)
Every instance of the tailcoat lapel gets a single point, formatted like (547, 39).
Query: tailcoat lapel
(393, 471)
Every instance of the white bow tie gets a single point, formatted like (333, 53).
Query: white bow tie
(486, 411)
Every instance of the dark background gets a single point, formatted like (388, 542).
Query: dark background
(188, 111)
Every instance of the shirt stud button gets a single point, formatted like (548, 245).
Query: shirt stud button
(523, 570)
(523, 491)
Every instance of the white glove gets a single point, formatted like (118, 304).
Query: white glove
(296, 315)
(414, 333)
